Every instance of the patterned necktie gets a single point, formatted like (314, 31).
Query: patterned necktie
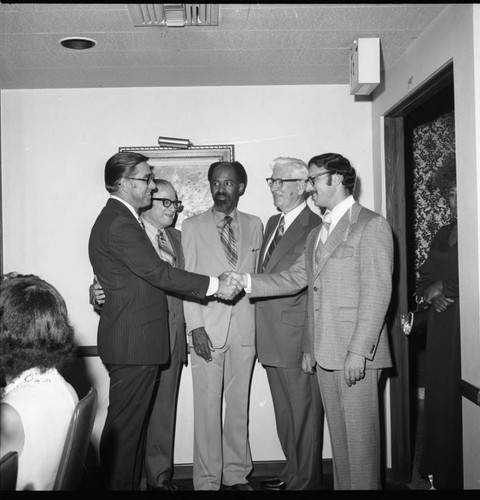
(326, 221)
(165, 248)
(275, 240)
(228, 241)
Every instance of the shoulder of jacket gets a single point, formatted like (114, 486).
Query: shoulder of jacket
(250, 217)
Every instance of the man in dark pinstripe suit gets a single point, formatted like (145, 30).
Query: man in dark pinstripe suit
(157, 218)
(133, 328)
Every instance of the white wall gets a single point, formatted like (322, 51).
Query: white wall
(455, 36)
(54, 147)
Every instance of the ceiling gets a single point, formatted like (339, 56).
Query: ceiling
(253, 44)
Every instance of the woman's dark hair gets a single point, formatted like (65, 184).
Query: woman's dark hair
(336, 164)
(445, 176)
(121, 165)
(34, 327)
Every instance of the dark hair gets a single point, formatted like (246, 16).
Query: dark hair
(336, 164)
(121, 165)
(34, 327)
(236, 165)
(445, 177)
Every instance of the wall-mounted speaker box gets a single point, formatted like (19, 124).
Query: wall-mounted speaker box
(364, 66)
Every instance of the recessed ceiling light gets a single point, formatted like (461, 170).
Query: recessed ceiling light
(78, 43)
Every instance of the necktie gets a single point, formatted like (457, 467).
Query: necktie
(165, 248)
(140, 221)
(326, 221)
(228, 241)
(275, 240)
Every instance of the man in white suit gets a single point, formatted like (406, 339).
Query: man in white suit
(221, 333)
(347, 266)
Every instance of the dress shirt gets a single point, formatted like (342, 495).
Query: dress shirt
(337, 213)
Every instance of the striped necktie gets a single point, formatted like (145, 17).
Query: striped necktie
(165, 248)
(228, 240)
(275, 240)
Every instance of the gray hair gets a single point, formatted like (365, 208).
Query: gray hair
(298, 167)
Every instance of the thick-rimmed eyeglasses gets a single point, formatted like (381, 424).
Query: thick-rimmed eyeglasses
(278, 183)
(168, 203)
(147, 180)
(311, 178)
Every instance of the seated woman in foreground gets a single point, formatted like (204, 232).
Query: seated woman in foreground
(36, 405)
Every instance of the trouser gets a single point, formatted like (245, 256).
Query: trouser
(123, 437)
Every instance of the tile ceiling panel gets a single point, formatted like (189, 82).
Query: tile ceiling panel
(253, 44)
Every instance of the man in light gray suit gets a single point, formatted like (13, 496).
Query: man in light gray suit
(347, 266)
(222, 333)
(279, 330)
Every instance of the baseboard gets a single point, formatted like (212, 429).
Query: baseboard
(260, 469)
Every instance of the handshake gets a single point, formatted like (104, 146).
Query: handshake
(230, 285)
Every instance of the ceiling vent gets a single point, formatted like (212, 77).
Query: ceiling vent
(174, 14)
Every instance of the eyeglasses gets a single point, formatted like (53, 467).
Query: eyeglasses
(147, 180)
(278, 183)
(311, 178)
(167, 203)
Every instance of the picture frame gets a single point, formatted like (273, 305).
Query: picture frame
(187, 170)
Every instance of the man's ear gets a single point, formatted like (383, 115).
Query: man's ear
(337, 179)
(302, 188)
(241, 188)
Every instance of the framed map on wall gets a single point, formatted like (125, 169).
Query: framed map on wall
(187, 170)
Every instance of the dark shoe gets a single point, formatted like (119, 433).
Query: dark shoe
(273, 484)
(241, 487)
(166, 485)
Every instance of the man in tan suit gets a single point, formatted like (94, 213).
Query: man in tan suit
(347, 266)
(221, 333)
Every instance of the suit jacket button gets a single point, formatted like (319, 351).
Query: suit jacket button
(315, 288)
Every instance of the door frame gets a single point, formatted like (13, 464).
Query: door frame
(395, 150)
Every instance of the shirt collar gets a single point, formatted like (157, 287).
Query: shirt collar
(150, 229)
(339, 210)
(219, 216)
(127, 205)
(293, 214)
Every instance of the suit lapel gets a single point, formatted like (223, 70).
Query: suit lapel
(210, 231)
(338, 235)
(177, 246)
(245, 237)
(291, 236)
(269, 230)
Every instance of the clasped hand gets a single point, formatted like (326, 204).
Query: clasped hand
(230, 285)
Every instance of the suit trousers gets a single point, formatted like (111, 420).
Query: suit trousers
(122, 444)
(353, 420)
(161, 428)
(222, 456)
(299, 418)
